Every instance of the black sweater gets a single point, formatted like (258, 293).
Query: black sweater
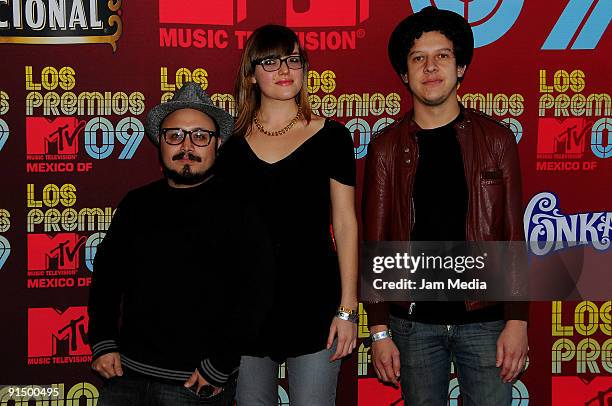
(180, 282)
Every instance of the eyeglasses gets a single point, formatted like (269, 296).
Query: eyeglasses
(198, 136)
(274, 63)
(205, 392)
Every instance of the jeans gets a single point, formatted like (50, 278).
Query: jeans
(132, 390)
(426, 351)
(312, 380)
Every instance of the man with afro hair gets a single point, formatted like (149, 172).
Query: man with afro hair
(443, 173)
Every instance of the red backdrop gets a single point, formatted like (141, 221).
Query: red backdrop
(75, 85)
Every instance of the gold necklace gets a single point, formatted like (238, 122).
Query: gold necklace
(282, 131)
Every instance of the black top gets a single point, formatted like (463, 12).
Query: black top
(440, 205)
(172, 279)
(293, 196)
(440, 190)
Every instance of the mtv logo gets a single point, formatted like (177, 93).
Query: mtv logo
(52, 332)
(59, 136)
(572, 390)
(325, 13)
(562, 136)
(60, 251)
(213, 12)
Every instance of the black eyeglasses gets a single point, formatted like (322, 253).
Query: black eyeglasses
(198, 136)
(272, 64)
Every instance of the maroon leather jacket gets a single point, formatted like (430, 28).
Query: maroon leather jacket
(492, 172)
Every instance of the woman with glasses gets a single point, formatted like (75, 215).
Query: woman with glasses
(299, 170)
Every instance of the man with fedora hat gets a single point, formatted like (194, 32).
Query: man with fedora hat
(178, 285)
(444, 173)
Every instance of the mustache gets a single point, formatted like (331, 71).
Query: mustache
(189, 155)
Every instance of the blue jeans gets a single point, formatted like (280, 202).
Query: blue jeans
(132, 390)
(312, 380)
(426, 351)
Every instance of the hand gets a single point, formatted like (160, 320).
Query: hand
(385, 357)
(108, 365)
(347, 337)
(198, 381)
(512, 350)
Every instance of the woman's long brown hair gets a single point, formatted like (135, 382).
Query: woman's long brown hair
(266, 41)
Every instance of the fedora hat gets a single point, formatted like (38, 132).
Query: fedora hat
(190, 96)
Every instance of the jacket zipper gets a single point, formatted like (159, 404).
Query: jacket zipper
(412, 209)
(467, 214)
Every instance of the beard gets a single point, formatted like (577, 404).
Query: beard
(186, 175)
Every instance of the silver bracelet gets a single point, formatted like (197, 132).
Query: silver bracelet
(353, 318)
(380, 335)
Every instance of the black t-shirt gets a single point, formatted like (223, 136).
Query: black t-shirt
(440, 208)
(293, 196)
(440, 189)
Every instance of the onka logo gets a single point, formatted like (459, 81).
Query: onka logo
(331, 25)
(548, 229)
(60, 22)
